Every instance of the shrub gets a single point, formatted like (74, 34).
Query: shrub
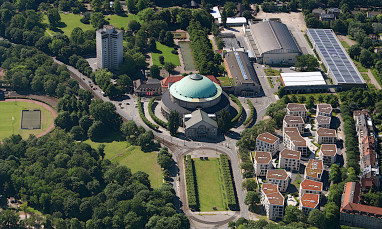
(251, 115)
(154, 117)
(191, 183)
(227, 181)
(240, 113)
(143, 117)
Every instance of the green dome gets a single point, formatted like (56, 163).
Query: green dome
(194, 86)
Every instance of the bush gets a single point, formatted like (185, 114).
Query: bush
(251, 115)
(143, 117)
(191, 183)
(240, 113)
(227, 181)
(154, 117)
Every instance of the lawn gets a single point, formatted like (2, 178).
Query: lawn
(359, 66)
(272, 72)
(346, 45)
(133, 157)
(209, 185)
(165, 51)
(226, 81)
(122, 21)
(10, 119)
(366, 77)
(68, 23)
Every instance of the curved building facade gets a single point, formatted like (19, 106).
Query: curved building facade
(194, 92)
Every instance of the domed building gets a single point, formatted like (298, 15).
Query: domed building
(194, 92)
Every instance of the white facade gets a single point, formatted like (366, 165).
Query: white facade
(294, 121)
(289, 160)
(109, 47)
(292, 140)
(279, 177)
(273, 201)
(262, 162)
(267, 142)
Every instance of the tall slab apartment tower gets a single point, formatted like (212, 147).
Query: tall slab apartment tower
(109, 47)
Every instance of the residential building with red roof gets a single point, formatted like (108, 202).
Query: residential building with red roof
(262, 161)
(294, 121)
(273, 201)
(314, 170)
(322, 122)
(310, 186)
(296, 109)
(328, 153)
(326, 136)
(279, 177)
(290, 159)
(324, 109)
(294, 141)
(267, 142)
(308, 202)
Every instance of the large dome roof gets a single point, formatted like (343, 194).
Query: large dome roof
(195, 86)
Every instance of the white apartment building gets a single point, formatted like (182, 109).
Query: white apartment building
(309, 202)
(109, 47)
(324, 109)
(289, 160)
(294, 121)
(314, 170)
(279, 177)
(310, 186)
(328, 153)
(292, 140)
(267, 142)
(326, 136)
(296, 109)
(262, 161)
(273, 201)
(322, 122)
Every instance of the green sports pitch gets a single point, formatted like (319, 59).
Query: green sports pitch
(36, 119)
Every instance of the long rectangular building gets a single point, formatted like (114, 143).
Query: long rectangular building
(336, 60)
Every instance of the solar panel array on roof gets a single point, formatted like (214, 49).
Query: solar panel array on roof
(337, 60)
(241, 66)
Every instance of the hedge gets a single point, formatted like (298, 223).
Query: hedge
(240, 113)
(251, 115)
(191, 183)
(154, 117)
(227, 181)
(143, 117)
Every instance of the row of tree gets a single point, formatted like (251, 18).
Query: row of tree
(227, 180)
(192, 192)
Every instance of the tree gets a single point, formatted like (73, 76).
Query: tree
(131, 6)
(134, 25)
(77, 36)
(224, 18)
(251, 199)
(155, 71)
(103, 77)
(77, 132)
(316, 218)
(85, 122)
(173, 122)
(224, 121)
(54, 17)
(164, 158)
(106, 6)
(169, 67)
(365, 58)
(340, 26)
(310, 102)
(293, 214)
(96, 5)
(96, 131)
(101, 151)
(118, 7)
(354, 51)
(152, 45)
(250, 185)
(141, 5)
(230, 8)
(335, 173)
(306, 62)
(367, 43)
(97, 20)
(332, 215)
(105, 112)
(161, 60)
(9, 218)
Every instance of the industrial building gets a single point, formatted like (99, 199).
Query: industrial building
(109, 47)
(240, 69)
(272, 43)
(340, 67)
(303, 82)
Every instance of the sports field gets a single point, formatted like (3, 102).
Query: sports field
(10, 118)
(134, 158)
(209, 185)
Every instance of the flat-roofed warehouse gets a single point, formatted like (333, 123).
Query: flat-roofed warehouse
(301, 82)
(240, 69)
(336, 60)
(273, 43)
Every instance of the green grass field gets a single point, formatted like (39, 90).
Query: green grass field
(13, 109)
(346, 45)
(120, 21)
(133, 157)
(226, 81)
(68, 23)
(272, 72)
(209, 185)
(165, 51)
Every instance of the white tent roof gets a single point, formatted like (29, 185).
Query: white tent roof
(234, 20)
(215, 12)
(302, 79)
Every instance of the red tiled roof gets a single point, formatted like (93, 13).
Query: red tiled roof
(314, 167)
(324, 108)
(310, 200)
(296, 107)
(275, 198)
(267, 137)
(292, 154)
(311, 185)
(351, 193)
(295, 136)
(293, 119)
(269, 188)
(263, 157)
(359, 208)
(325, 132)
(277, 174)
(329, 149)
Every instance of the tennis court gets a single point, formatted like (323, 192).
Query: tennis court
(31, 119)
(188, 60)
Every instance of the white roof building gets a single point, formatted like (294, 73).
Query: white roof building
(215, 12)
(302, 79)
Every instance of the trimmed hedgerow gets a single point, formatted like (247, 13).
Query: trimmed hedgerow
(143, 117)
(251, 115)
(240, 113)
(154, 117)
(191, 183)
(227, 180)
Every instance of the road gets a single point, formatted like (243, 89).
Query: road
(128, 112)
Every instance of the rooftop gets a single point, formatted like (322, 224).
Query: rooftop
(360, 208)
(309, 200)
(199, 115)
(324, 108)
(320, 119)
(292, 154)
(269, 188)
(234, 20)
(239, 68)
(168, 81)
(278, 174)
(275, 198)
(263, 157)
(302, 79)
(351, 193)
(267, 137)
(295, 136)
(293, 119)
(311, 185)
(296, 107)
(215, 12)
(329, 150)
(325, 132)
(314, 168)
